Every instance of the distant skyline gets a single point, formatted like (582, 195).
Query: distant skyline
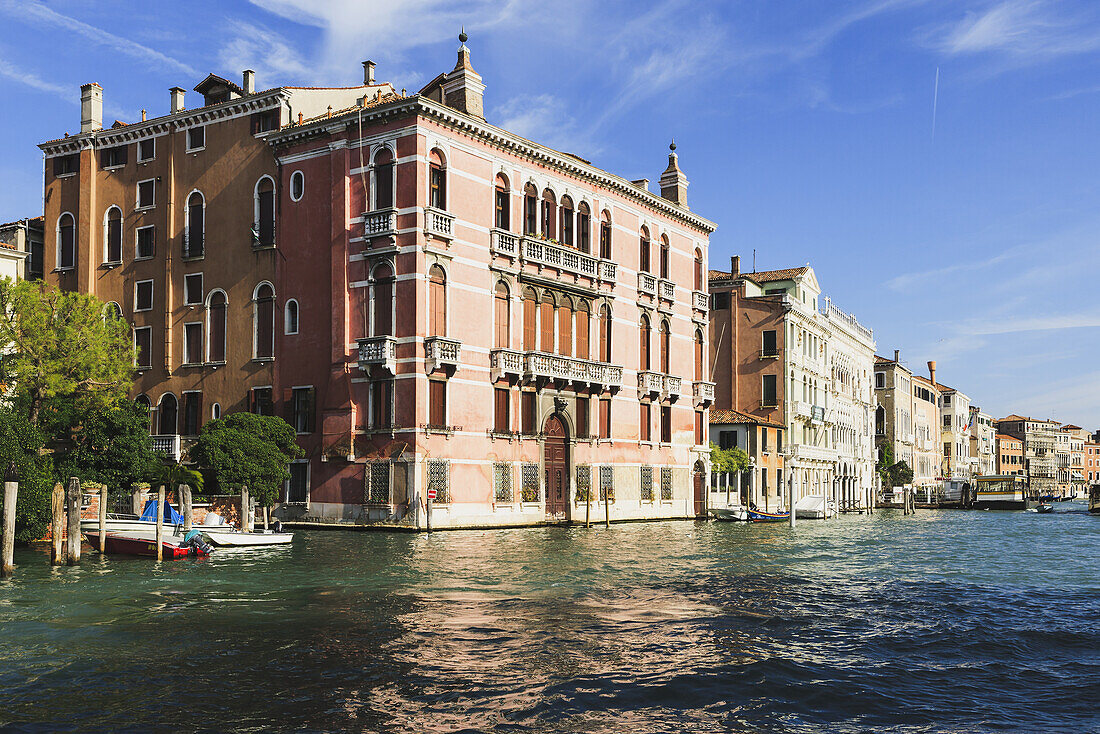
(805, 128)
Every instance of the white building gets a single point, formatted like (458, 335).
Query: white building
(983, 443)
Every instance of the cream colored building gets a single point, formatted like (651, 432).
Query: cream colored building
(927, 450)
(17, 240)
(983, 443)
(895, 411)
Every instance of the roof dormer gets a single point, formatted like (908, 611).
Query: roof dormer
(215, 89)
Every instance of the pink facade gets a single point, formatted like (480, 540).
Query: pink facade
(452, 320)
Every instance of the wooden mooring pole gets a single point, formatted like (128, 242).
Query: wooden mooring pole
(185, 506)
(606, 508)
(160, 522)
(588, 504)
(7, 550)
(57, 524)
(103, 519)
(72, 512)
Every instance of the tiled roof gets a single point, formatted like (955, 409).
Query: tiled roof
(924, 380)
(1013, 417)
(718, 415)
(7, 245)
(883, 360)
(762, 276)
(1070, 427)
(1003, 437)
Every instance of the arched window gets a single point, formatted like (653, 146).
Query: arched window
(880, 420)
(644, 334)
(264, 321)
(530, 319)
(605, 333)
(530, 209)
(437, 180)
(290, 317)
(437, 301)
(216, 410)
(502, 320)
(194, 230)
(698, 269)
(166, 414)
(665, 348)
(565, 327)
(112, 235)
(699, 356)
(643, 251)
(264, 230)
(66, 241)
(549, 214)
(584, 228)
(297, 191)
(502, 207)
(112, 310)
(382, 179)
(382, 301)
(566, 220)
(582, 330)
(215, 315)
(546, 324)
(664, 257)
(605, 235)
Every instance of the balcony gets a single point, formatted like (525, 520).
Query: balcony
(802, 452)
(439, 224)
(167, 446)
(540, 365)
(380, 351)
(769, 354)
(505, 243)
(647, 284)
(671, 389)
(650, 384)
(381, 223)
(700, 301)
(505, 363)
(442, 353)
(703, 392)
(666, 290)
(566, 259)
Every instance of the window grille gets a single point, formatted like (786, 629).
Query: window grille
(647, 483)
(607, 483)
(378, 483)
(502, 481)
(666, 482)
(584, 482)
(439, 479)
(530, 488)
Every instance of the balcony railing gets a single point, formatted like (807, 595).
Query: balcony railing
(442, 352)
(700, 301)
(378, 350)
(647, 284)
(703, 392)
(812, 453)
(769, 354)
(667, 290)
(650, 383)
(505, 243)
(671, 388)
(505, 363)
(439, 224)
(167, 445)
(571, 369)
(381, 223)
(543, 252)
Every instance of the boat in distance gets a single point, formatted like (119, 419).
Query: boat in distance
(761, 516)
(1000, 492)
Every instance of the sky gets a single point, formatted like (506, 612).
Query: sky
(934, 160)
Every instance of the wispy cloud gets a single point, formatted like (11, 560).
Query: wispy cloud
(36, 12)
(1026, 29)
(906, 281)
(546, 119)
(256, 47)
(1017, 325)
(14, 73)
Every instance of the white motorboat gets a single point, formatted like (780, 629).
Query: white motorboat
(730, 514)
(814, 507)
(214, 527)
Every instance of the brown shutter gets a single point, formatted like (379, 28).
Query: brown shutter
(438, 302)
(698, 356)
(643, 422)
(288, 407)
(501, 423)
(665, 346)
(605, 334)
(529, 329)
(546, 327)
(582, 332)
(437, 402)
(565, 330)
(582, 416)
(605, 418)
(643, 345)
(383, 307)
(502, 317)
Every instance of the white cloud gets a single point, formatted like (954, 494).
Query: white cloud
(264, 51)
(1026, 29)
(545, 119)
(9, 71)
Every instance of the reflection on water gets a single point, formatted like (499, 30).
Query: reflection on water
(945, 621)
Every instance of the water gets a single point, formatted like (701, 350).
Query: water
(947, 621)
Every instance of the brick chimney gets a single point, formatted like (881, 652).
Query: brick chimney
(177, 98)
(462, 86)
(897, 356)
(368, 72)
(249, 84)
(735, 265)
(932, 371)
(91, 107)
(673, 182)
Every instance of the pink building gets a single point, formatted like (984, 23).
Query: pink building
(468, 313)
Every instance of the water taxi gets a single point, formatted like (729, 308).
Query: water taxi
(1000, 492)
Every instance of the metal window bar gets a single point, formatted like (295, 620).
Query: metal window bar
(529, 490)
(439, 479)
(666, 482)
(607, 483)
(584, 482)
(646, 483)
(378, 483)
(502, 482)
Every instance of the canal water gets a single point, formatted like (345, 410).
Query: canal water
(946, 621)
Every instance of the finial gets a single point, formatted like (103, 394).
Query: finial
(672, 145)
(462, 37)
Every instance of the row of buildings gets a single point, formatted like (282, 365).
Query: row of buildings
(444, 309)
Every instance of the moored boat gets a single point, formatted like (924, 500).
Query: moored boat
(1094, 498)
(215, 529)
(759, 516)
(1000, 492)
(730, 514)
(144, 543)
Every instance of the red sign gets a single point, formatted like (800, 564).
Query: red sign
(431, 494)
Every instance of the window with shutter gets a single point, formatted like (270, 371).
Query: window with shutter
(437, 182)
(565, 328)
(666, 424)
(530, 210)
(566, 220)
(501, 418)
(383, 179)
(194, 235)
(698, 270)
(381, 404)
(605, 417)
(666, 348)
(113, 252)
(66, 242)
(546, 324)
(437, 292)
(769, 343)
(644, 422)
(143, 344)
(529, 318)
(265, 322)
(382, 303)
(166, 414)
(501, 213)
(501, 317)
(643, 344)
(699, 428)
(582, 330)
(192, 413)
(605, 333)
(643, 251)
(698, 355)
(583, 429)
(146, 242)
(605, 238)
(265, 212)
(549, 214)
(527, 409)
(584, 225)
(217, 326)
(664, 257)
(192, 343)
(437, 403)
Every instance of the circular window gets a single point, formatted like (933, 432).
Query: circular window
(297, 185)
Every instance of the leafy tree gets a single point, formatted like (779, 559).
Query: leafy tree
(728, 460)
(901, 473)
(173, 475)
(247, 450)
(885, 461)
(19, 451)
(111, 446)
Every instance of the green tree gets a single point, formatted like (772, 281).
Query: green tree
(111, 446)
(728, 460)
(19, 451)
(900, 473)
(885, 461)
(247, 450)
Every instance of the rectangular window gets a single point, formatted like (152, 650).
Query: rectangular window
(143, 295)
(666, 483)
(301, 409)
(502, 482)
(66, 164)
(727, 440)
(529, 477)
(381, 403)
(582, 416)
(147, 150)
(192, 289)
(880, 380)
(763, 439)
(192, 343)
(764, 480)
(297, 488)
(721, 302)
(501, 215)
(699, 428)
(527, 410)
(605, 417)
(769, 347)
(947, 400)
(260, 401)
(605, 240)
(666, 424)
(196, 138)
(778, 482)
(607, 484)
(437, 403)
(192, 413)
(265, 121)
(502, 420)
(779, 441)
(769, 397)
(645, 483)
(143, 346)
(644, 422)
(439, 479)
(146, 242)
(146, 194)
(112, 157)
(947, 421)
(437, 194)
(947, 451)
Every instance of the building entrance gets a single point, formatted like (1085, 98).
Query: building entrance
(556, 465)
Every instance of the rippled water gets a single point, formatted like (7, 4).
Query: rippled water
(947, 621)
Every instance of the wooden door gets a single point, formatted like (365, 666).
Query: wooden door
(556, 466)
(699, 486)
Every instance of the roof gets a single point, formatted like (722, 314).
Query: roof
(718, 415)
(1014, 417)
(7, 245)
(761, 276)
(1071, 427)
(883, 360)
(1003, 437)
(926, 382)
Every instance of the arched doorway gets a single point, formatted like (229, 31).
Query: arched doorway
(556, 465)
(698, 485)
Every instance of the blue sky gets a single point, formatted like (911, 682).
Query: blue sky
(806, 129)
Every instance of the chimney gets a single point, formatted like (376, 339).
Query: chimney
(368, 72)
(673, 182)
(897, 356)
(735, 265)
(932, 371)
(177, 99)
(91, 107)
(249, 81)
(143, 115)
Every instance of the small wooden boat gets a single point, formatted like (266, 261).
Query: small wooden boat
(144, 543)
(760, 516)
(730, 514)
(1044, 507)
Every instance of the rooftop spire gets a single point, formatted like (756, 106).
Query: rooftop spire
(673, 181)
(462, 86)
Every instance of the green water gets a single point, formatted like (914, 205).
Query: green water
(946, 621)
